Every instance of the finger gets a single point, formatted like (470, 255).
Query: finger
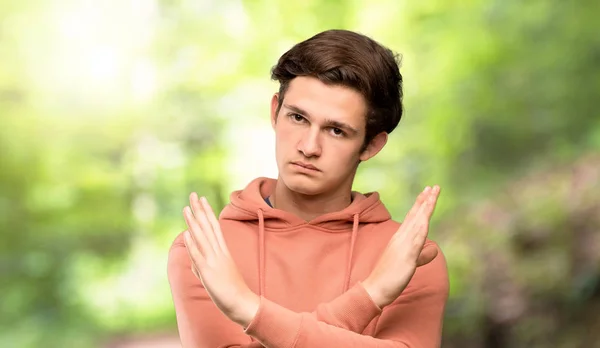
(194, 204)
(422, 228)
(425, 212)
(432, 202)
(418, 233)
(409, 220)
(419, 218)
(194, 253)
(427, 255)
(418, 202)
(195, 231)
(187, 248)
(214, 222)
(195, 271)
(202, 219)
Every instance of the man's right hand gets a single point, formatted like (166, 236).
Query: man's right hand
(405, 252)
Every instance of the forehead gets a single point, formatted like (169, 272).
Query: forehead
(321, 101)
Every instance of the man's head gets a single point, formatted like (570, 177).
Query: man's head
(340, 95)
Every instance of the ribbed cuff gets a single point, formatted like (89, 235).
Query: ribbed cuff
(368, 300)
(355, 309)
(274, 325)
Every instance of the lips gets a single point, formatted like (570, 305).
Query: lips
(306, 166)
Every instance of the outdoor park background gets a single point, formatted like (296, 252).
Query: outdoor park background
(111, 112)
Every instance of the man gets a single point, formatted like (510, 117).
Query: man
(303, 261)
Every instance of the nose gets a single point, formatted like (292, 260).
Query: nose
(309, 144)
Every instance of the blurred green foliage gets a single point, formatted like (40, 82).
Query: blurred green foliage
(112, 112)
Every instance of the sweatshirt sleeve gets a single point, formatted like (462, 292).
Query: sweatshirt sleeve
(414, 320)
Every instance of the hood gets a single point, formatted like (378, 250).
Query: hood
(248, 204)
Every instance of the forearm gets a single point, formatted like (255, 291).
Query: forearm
(353, 310)
(201, 322)
(415, 319)
(278, 327)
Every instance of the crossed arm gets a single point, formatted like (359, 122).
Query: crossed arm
(414, 322)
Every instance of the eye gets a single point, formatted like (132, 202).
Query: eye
(337, 132)
(296, 117)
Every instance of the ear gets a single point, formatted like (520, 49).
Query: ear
(274, 105)
(374, 146)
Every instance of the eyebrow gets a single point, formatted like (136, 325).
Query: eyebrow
(328, 122)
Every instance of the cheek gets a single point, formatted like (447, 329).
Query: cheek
(342, 152)
(283, 130)
(287, 134)
(284, 138)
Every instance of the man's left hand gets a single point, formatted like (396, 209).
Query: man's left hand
(213, 264)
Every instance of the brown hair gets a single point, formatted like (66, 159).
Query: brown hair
(342, 57)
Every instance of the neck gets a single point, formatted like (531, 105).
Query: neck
(308, 207)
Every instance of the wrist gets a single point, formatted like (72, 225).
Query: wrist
(372, 289)
(245, 310)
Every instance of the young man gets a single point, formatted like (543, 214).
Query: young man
(303, 261)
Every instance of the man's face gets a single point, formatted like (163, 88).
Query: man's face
(319, 133)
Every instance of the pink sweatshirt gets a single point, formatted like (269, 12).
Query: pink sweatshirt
(308, 276)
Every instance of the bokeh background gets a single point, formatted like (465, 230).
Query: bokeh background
(112, 111)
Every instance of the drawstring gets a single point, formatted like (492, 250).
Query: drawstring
(350, 253)
(261, 253)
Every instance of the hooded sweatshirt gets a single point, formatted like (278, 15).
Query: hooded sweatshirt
(308, 276)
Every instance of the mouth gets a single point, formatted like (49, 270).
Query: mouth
(306, 166)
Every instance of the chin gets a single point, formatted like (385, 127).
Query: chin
(303, 184)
